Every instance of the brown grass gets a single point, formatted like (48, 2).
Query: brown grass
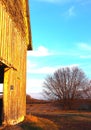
(47, 116)
(65, 120)
(33, 123)
(43, 123)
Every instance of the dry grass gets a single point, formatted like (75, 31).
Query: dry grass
(33, 123)
(65, 120)
(47, 116)
(42, 123)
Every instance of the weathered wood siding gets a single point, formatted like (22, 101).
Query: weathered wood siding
(15, 92)
(8, 37)
(14, 41)
(18, 11)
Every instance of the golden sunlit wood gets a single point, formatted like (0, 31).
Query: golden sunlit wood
(15, 40)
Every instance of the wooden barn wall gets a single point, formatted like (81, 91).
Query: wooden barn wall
(19, 12)
(15, 92)
(7, 47)
(13, 53)
(16, 12)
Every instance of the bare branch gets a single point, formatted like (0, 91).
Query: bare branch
(67, 84)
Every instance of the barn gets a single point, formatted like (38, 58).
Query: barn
(15, 40)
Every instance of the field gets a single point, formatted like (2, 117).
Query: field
(64, 120)
(42, 115)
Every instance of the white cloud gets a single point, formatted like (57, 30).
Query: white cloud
(41, 51)
(30, 64)
(34, 85)
(84, 46)
(47, 69)
(85, 57)
(42, 70)
(70, 66)
(73, 65)
(38, 95)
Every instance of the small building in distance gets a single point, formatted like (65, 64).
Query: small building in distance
(15, 40)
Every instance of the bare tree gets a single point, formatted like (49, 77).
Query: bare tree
(86, 94)
(66, 84)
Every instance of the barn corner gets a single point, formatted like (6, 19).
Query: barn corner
(15, 40)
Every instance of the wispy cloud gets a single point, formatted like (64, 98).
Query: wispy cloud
(31, 66)
(85, 57)
(34, 85)
(71, 11)
(84, 46)
(40, 52)
(42, 70)
(47, 69)
(85, 50)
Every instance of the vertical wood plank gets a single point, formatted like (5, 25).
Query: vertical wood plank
(13, 47)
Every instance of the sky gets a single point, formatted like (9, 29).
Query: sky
(61, 37)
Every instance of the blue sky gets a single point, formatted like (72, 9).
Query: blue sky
(61, 36)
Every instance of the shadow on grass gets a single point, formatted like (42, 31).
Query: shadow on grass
(30, 126)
